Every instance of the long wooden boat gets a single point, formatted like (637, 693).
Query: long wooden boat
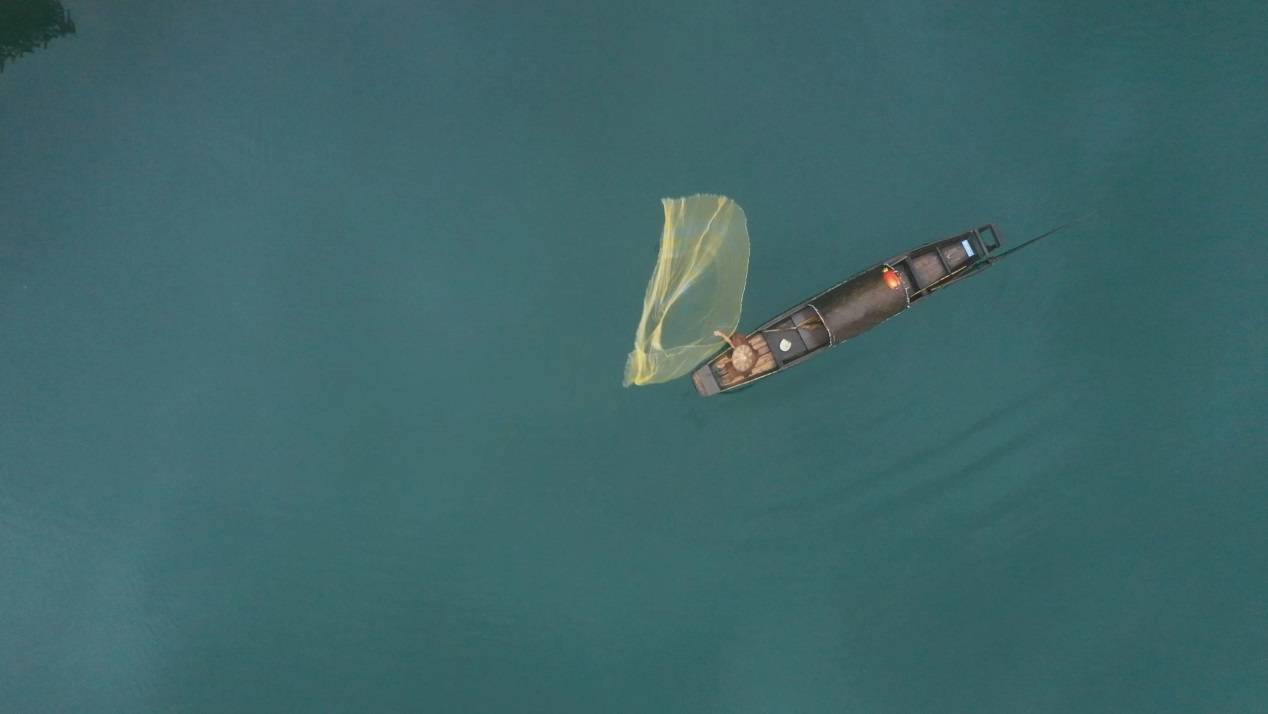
(852, 307)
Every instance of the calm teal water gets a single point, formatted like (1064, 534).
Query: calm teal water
(314, 316)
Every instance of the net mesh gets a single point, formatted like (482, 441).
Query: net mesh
(697, 287)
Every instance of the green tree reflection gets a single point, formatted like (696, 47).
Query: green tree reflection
(28, 24)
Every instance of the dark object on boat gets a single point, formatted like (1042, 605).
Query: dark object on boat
(853, 307)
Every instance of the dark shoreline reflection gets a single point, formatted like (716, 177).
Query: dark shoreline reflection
(26, 25)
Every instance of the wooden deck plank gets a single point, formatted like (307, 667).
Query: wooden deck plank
(729, 377)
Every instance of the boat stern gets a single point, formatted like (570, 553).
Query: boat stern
(706, 383)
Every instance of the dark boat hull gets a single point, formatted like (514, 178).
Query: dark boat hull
(852, 307)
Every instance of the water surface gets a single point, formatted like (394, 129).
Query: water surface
(315, 315)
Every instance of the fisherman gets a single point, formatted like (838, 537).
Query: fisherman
(743, 356)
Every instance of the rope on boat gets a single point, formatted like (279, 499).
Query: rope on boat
(809, 324)
(963, 268)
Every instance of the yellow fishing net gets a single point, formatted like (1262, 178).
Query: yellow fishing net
(696, 288)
